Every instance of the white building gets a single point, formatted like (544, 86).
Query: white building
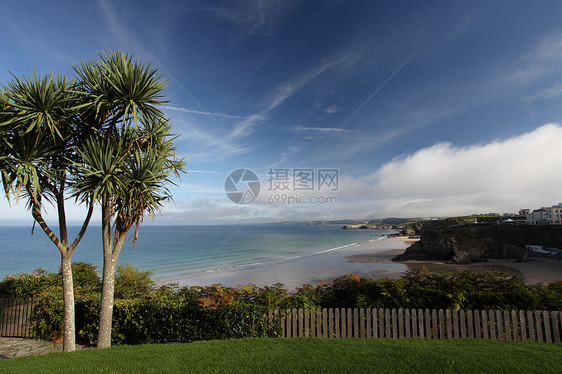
(545, 216)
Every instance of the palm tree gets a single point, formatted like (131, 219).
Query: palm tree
(127, 163)
(39, 138)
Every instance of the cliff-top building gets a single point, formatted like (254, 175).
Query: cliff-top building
(544, 215)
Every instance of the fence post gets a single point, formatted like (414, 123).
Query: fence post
(324, 323)
(375, 324)
(499, 323)
(337, 318)
(448, 322)
(408, 320)
(507, 325)
(400, 323)
(531, 324)
(343, 323)
(492, 320)
(349, 323)
(355, 323)
(463, 323)
(362, 323)
(428, 318)
(306, 323)
(441, 324)
(380, 322)
(538, 326)
(331, 322)
(294, 317)
(470, 324)
(369, 320)
(290, 324)
(421, 321)
(387, 323)
(434, 323)
(414, 323)
(555, 326)
(319, 323)
(546, 327)
(283, 321)
(484, 324)
(515, 325)
(523, 325)
(300, 325)
(456, 327)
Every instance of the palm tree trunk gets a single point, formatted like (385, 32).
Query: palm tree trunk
(69, 342)
(108, 280)
(107, 293)
(69, 330)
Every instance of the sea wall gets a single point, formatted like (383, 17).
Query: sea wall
(471, 243)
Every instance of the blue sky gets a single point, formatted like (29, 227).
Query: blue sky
(426, 108)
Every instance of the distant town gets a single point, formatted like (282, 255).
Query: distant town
(543, 216)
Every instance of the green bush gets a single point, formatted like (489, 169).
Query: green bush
(146, 314)
(138, 321)
(29, 284)
(131, 283)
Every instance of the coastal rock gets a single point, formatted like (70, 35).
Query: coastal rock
(356, 227)
(472, 243)
(449, 245)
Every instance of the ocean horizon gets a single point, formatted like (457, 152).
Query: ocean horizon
(173, 252)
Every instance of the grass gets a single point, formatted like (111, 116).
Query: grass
(304, 356)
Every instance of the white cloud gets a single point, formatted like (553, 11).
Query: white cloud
(219, 145)
(544, 59)
(327, 130)
(254, 16)
(442, 180)
(332, 109)
(287, 89)
(202, 113)
(545, 93)
(505, 175)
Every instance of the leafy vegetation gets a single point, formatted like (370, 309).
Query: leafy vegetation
(145, 313)
(304, 356)
(100, 137)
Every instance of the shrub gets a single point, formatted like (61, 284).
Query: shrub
(145, 314)
(138, 321)
(131, 283)
(29, 284)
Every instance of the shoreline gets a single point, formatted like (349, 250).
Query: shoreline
(313, 269)
(372, 259)
(536, 270)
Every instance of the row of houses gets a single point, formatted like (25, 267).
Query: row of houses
(543, 216)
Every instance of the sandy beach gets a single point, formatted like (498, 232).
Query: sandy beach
(312, 269)
(536, 270)
(372, 259)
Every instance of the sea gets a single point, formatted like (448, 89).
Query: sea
(172, 252)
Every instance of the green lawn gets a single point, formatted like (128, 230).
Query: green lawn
(304, 356)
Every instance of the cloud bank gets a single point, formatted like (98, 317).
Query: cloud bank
(442, 180)
(502, 176)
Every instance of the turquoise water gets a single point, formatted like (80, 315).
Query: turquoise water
(186, 250)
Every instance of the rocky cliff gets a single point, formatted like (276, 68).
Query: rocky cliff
(471, 243)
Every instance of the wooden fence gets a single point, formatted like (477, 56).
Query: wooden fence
(15, 315)
(542, 326)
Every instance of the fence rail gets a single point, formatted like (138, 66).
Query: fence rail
(15, 316)
(542, 326)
